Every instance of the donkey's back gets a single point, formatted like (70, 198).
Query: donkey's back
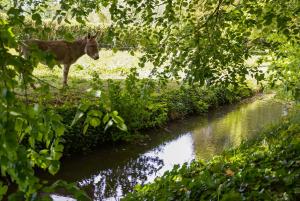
(59, 49)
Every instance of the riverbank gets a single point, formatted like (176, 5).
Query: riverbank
(266, 168)
(108, 168)
(144, 109)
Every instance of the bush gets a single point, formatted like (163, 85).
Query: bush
(137, 103)
(143, 104)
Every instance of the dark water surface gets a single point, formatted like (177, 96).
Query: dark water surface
(111, 172)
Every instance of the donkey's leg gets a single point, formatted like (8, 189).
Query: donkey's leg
(65, 74)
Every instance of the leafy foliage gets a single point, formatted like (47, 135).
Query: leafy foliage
(211, 40)
(145, 104)
(95, 117)
(136, 102)
(51, 30)
(200, 41)
(30, 134)
(142, 104)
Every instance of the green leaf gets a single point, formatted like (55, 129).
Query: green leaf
(59, 148)
(122, 127)
(109, 124)
(44, 152)
(78, 115)
(106, 118)
(19, 124)
(3, 190)
(114, 113)
(86, 126)
(95, 122)
(84, 106)
(117, 119)
(54, 167)
(59, 130)
(95, 113)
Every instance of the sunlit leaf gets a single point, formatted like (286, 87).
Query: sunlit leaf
(108, 124)
(54, 167)
(95, 122)
(78, 115)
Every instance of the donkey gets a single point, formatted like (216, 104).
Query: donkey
(64, 52)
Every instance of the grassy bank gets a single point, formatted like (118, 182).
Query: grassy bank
(122, 86)
(267, 168)
(143, 108)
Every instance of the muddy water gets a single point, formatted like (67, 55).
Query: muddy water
(111, 172)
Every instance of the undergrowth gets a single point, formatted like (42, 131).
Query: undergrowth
(143, 105)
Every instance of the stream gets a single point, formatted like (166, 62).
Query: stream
(112, 171)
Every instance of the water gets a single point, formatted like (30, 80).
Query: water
(111, 172)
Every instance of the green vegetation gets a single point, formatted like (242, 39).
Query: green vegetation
(112, 65)
(143, 107)
(205, 43)
(141, 102)
(266, 168)
(55, 31)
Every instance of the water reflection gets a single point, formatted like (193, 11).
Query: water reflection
(110, 173)
(218, 133)
(112, 183)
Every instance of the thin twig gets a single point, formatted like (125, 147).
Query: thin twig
(215, 11)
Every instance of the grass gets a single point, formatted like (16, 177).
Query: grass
(110, 66)
(142, 103)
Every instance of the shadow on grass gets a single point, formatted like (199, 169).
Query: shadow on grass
(79, 87)
(55, 94)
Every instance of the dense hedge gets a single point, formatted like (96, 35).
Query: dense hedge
(140, 112)
(267, 168)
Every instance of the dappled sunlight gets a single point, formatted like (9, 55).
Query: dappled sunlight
(101, 97)
(110, 65)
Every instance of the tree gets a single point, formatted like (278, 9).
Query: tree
(31, 134)
(195, 40)
(211, 39)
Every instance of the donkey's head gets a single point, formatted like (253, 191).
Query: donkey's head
(91, 47)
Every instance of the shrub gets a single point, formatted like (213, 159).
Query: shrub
(143, 104)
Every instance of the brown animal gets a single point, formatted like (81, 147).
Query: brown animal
(64, 52)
